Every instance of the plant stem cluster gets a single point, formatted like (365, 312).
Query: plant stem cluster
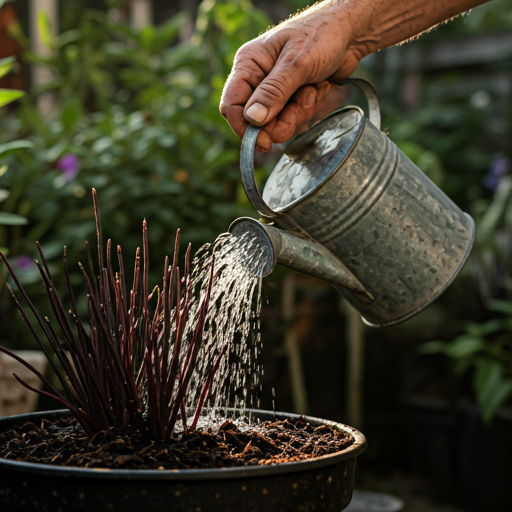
(131, 367)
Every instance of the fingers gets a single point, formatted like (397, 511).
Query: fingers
(250, 67)
(301, 108)
(273, 92)
(298, 111)
(263, 80)
(238, 92)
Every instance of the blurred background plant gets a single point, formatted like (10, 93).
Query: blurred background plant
(485, 345)
(8, 96)
(135, 116)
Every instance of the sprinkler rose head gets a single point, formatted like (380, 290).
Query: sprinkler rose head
(263, 243)
(294, 251)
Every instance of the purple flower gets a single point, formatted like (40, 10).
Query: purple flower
(499, 167)
(24, 262)
(69, 165)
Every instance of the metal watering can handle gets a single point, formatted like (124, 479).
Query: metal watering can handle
(247, 171)
(251, 135)
(371, 98)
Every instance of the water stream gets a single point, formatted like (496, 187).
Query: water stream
(232, 321)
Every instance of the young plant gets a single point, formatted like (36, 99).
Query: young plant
(131, 367)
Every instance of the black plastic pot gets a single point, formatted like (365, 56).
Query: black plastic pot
(324, 484)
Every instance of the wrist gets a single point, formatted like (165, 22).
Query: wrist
(356, 19)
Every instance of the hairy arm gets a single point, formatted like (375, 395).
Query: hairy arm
(281, 79)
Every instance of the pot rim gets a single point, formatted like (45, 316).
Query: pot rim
(354, 450)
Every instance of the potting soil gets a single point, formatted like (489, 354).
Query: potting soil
(65, 443)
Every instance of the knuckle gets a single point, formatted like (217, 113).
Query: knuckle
(246, 52)
(283, 135)
(275, 87)
(300, 61)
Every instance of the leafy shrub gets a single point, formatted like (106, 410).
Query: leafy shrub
(137, 118)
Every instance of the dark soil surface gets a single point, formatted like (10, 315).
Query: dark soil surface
(64, 443)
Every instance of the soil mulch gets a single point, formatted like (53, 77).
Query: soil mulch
(64, 443)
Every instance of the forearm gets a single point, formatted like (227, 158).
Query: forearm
(377, 24)
(280, 79)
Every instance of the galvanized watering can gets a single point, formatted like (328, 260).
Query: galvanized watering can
(357, 213)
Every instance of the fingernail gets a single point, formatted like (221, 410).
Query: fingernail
(310, 99)
(257, 113)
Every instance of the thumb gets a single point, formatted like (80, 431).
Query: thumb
(273, 92)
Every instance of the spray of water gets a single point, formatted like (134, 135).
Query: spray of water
(232, 325)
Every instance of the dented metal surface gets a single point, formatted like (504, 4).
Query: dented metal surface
(358, 197)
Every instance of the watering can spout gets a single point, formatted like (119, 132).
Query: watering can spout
(296, 252)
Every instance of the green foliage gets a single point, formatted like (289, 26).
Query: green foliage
(6, 148)
(8, 96)
(497, 213)
(44, 29)
(447, 139)
(485, 347)
(137, 116)
(6, 65)
(12, 219)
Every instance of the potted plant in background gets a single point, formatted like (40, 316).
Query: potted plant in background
(125, 379)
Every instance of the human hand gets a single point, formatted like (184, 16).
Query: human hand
(282, 78)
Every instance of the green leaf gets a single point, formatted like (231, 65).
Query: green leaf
(492, 388)
(6, 65)
(502, 306)
(31, 117)
(170, 30)
(464, 346)
(13, 146)
(487, 374)
(70, 36)
(10, 95)
(12, 219)
(480, 330)
(147, 36)
(44, 28)
(4, 194)
(501, 201)
(501, 393)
